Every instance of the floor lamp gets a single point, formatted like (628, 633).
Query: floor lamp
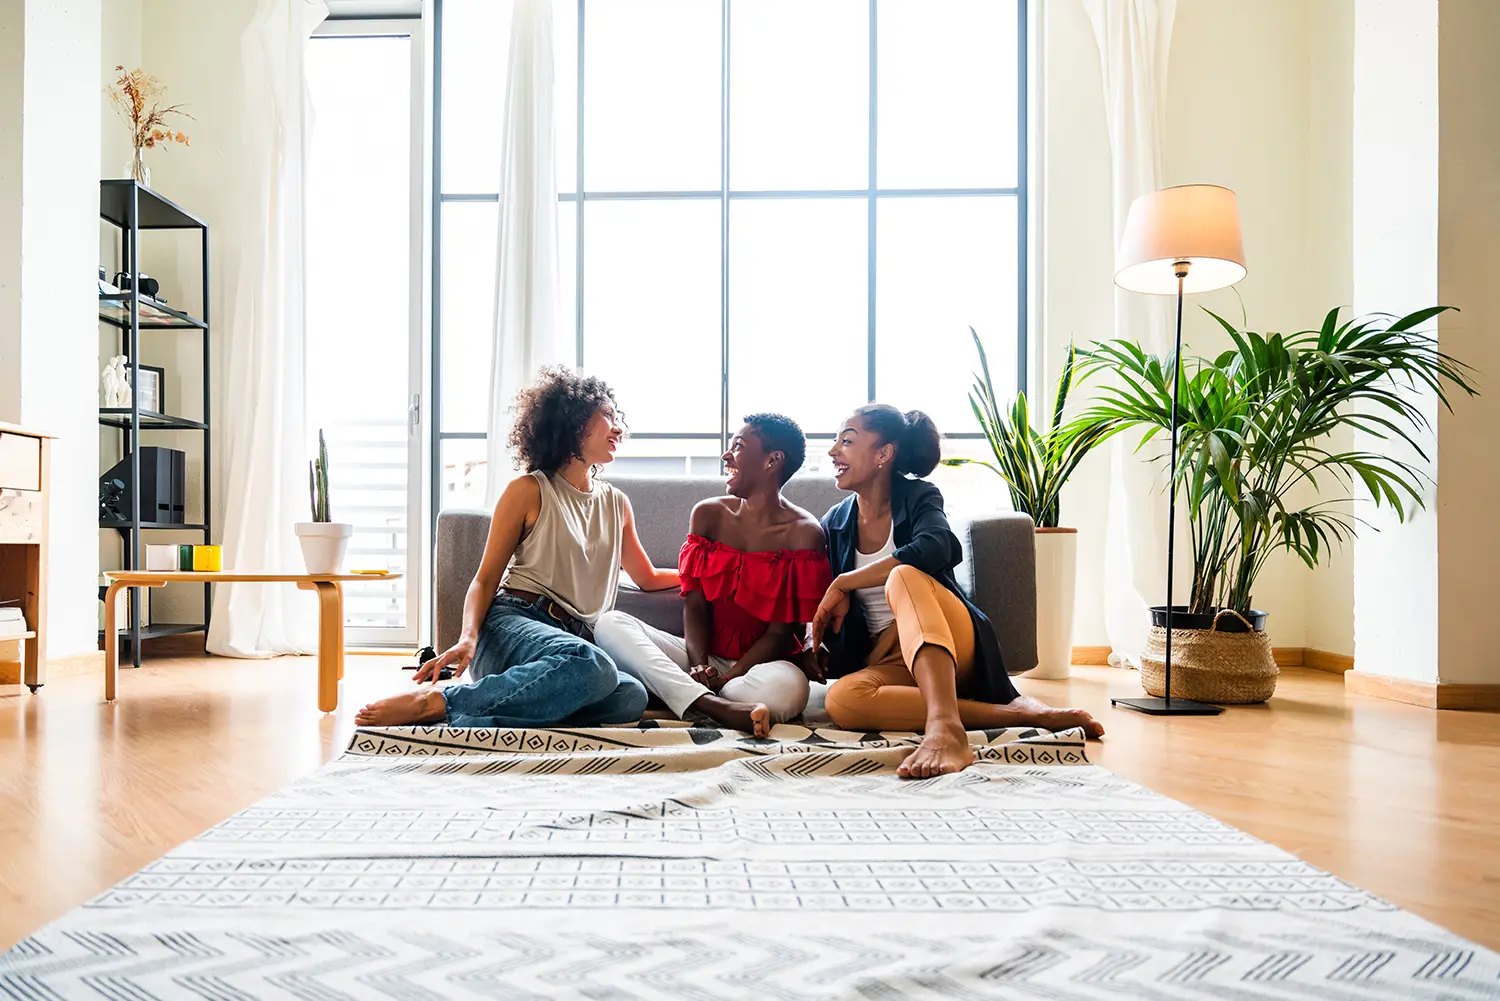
(1179, 241)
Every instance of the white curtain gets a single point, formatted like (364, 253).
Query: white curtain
(1134, 38)
(527, 309)
(264, 448)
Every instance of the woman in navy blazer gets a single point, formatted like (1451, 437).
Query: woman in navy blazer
(902, 640)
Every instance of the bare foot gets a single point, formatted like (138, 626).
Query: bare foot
(1049, 718)
(945, 748)
(751, 717)
(408, 707)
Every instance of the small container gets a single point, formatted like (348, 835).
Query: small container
(162, 558)
(208, 559)
(185, 557)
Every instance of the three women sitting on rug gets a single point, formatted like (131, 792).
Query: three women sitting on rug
(902, 641)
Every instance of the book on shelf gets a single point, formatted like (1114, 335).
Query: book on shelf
(150, 309)
(123, 598)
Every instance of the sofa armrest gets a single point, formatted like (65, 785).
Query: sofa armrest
(1000, 558)
(461, 535)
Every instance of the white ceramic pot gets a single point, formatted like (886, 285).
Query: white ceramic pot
(1056, 575)
(323, 545)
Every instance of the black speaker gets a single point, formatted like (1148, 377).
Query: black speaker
(163, 488)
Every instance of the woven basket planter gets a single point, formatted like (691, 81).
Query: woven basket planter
(1211, 665)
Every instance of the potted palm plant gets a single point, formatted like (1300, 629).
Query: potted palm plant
(324, 541)
(1256, 432)
(1034, 464)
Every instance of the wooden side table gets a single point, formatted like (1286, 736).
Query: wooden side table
(25, 479)
(330, 616)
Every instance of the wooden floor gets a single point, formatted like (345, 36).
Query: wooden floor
(1402, 801)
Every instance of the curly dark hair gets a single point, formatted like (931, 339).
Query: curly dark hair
(551, 415)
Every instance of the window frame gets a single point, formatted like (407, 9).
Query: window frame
(725, 195)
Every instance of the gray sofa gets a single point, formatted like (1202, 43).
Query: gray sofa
(999, 568)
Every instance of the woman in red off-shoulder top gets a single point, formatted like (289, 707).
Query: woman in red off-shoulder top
(753, 570)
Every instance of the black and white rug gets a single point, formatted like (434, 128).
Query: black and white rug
(429, 863)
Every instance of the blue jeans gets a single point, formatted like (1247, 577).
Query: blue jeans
(529, 672)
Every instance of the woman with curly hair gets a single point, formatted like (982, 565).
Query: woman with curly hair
(557, 542)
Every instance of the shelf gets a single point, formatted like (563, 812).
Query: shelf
(155, 526)
(7, 637)
(158, 629)
(153, 211)
(114, 309)
(119, 417)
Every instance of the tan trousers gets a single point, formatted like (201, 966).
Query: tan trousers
(884, 695)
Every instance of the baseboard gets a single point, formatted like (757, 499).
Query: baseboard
(1285, 656)
(57, 667)
(1427, 694)
(1322, 660)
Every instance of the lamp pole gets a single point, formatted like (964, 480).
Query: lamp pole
(1180, 269)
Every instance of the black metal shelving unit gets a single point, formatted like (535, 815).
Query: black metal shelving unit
(133, 208)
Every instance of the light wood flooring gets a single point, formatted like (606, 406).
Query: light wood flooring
(1400, 800)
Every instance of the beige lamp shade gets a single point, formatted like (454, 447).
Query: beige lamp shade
(1196, 223)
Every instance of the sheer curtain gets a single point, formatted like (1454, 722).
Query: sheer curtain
(264, 448)
(527, 311)
(1134, 38)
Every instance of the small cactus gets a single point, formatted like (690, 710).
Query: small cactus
(317, 482)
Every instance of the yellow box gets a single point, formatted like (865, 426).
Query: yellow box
(208, 559)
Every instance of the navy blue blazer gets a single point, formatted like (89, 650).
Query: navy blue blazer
(924, 540)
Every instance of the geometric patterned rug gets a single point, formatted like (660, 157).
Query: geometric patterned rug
(667, 861)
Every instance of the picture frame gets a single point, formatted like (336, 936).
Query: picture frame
(153, 383)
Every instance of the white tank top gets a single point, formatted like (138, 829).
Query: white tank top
(572, 553)
(878, 612)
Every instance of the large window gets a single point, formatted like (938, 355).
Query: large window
(793, 205)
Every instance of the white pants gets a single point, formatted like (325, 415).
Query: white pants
(659, 661)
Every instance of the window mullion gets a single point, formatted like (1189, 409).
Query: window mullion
(870, 199)
(724, 224)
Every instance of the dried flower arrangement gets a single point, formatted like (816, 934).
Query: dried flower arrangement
(137, 97)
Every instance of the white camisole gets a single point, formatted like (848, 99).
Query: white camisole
(877, 610)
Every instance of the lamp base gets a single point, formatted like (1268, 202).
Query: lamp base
(1168, 707)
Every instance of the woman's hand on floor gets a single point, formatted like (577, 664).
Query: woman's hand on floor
(456, 656)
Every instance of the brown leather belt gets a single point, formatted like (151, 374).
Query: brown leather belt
(566, 620)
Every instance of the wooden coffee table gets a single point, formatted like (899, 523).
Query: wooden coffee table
(330, 616)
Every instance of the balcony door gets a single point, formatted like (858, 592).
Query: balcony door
(364, 307)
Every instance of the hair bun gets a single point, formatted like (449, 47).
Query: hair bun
(921, 445)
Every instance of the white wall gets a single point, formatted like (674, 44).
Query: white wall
(1395, 192)
(193, 48)
(49, 220)
(12, 95)
(1468, 539)
(1254, 104)
(1329, 253)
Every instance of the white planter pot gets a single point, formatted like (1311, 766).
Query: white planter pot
(323, 545)
(1056, 574)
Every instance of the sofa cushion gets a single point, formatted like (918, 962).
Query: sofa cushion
(662, 609)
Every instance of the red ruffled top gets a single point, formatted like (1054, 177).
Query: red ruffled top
(748, 591)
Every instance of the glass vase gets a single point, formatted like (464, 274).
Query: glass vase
(137, 168)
